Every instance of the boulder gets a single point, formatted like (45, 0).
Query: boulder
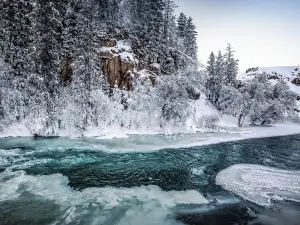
(215, 214)
(296, 81)
(273, 77)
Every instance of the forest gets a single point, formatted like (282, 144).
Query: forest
(53, 82)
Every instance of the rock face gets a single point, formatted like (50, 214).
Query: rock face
(296, 81)
(115, 69)
(118, 63)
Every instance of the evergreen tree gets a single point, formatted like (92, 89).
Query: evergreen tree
(155, 21)
(211, 75)
(231, 67)
(48, 29)
(16, 36)
(181, 31)
(181, 25)
(191, 40)
(169, 24)
(219, 76)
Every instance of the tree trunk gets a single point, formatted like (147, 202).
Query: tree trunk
(241, 120)
(263, 122)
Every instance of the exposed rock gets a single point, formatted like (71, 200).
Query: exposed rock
(193, 94)
(120, 58)
(296, 81)
(116, 69)
(298, 98)
(66, 72)
(273, 77)
(117, 63)
(252, 70)
(215, 213)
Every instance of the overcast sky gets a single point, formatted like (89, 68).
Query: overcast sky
(263, 32)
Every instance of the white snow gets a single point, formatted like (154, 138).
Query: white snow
(55, 187)
(141, 141)
(122, 49)
(113, 135)
(126, 56)
(260, 184)
(125, 140)
(16, 130)
(155, 65)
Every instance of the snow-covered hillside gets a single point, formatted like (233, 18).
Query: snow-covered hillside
(289, 74)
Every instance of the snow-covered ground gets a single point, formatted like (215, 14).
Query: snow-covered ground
(198, 127)
(117, 139)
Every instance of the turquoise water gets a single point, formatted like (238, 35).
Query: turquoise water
(78, 181)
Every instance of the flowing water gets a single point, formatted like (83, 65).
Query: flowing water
(89, 181)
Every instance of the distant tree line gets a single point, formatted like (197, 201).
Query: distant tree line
(256, 99)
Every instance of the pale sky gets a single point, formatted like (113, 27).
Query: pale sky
(262, 32)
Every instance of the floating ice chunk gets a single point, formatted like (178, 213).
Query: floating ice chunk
(198, 171)
(55, 188)
(261, 184)
(116, 135)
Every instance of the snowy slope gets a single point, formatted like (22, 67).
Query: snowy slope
(289, 74)
(285, 73)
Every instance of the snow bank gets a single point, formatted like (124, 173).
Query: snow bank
(260, 184)
(116, 140)
(16, 130)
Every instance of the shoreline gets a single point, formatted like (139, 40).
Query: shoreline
(126, 142)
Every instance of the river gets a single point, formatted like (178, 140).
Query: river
(78, 181)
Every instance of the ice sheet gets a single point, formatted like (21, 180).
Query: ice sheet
(260, 184)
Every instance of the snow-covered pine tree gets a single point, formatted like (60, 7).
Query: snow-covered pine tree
(190, 40)
(16, 37)
(169, 34)
(231, 67)
(219, 76)
(211, 78)
(181, 25)
(181, 31)
(48, 27)
(16, 53)
(155, 23)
